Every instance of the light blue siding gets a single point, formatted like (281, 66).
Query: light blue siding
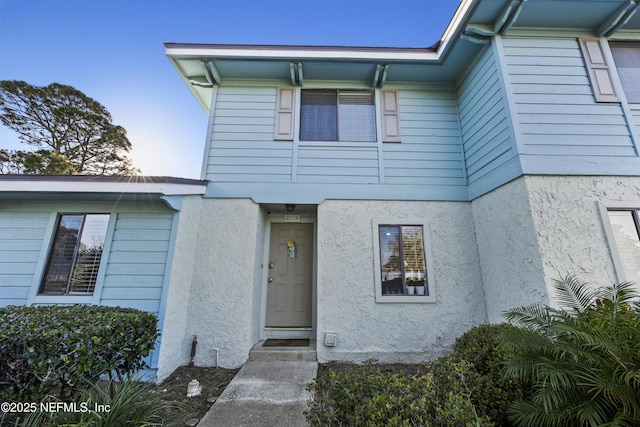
(137, 260)
(430, 152)
(22, 236)
(244, 159)
(242, 148)
(489, 149)
(561, 128)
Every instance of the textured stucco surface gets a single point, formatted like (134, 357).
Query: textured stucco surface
(221, 309)
(536, 229)
(394, 331)
(174, 350)
(510, 259)
(569, 226)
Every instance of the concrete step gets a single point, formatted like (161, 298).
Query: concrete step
(260, 353)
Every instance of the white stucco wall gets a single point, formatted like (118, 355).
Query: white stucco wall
(174, 349)
(221, 309)
(537, 229)
(569, 225)
(407, 332)
(510, 258)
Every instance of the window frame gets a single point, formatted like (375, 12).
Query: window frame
(614, 252)
(430, 296)
(41, 295)
(623, 43)
(373, 131)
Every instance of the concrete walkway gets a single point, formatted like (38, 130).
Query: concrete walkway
(264, 393)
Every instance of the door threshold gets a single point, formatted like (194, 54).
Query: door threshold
(287, 333)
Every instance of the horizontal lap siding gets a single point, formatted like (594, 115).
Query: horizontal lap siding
(338, 165)
(242, 148)
(430, 151)
(137, 261)
(22, 236)
(485, 124)
(556, 111)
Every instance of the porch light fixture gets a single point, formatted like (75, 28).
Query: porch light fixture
(290, 208)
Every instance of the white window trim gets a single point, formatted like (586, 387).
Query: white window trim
(610, 237)
(426, 237)
(36, 298)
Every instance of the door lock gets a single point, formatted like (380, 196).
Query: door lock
(271, 265)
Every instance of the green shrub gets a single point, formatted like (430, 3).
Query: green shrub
(49, 349)
(491, 391)
(583, 359)
(365, 396)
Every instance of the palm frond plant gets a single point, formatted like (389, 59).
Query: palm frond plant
(582, 357)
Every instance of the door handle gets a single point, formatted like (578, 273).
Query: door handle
(270, 280)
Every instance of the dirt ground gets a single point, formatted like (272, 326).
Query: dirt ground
(179, 408)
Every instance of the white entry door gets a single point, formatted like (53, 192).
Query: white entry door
(290, 276)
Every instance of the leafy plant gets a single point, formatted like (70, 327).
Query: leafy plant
(365, 396)
(583, 358)
(132, 404)
(491, 391)
(51, 349)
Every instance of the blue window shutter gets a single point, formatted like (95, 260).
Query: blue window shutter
(593, 52)
(390, 116)
(285, 109)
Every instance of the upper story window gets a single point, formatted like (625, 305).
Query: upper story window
(601, 70)
(74, 259)
(345, 115)
(337, 115)
(627, 60)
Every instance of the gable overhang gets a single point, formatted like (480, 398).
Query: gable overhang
(475, 22)
(97, 188)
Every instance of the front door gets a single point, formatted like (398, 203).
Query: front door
(290, 276)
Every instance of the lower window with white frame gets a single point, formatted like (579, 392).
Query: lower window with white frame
(402, 265)
(75, 255)
(625, 225)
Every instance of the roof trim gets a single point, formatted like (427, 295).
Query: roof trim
(101, 184)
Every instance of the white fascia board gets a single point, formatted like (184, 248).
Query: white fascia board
(167, 189)
(301, 54)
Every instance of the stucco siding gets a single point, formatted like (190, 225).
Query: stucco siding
(569, 225)
(175, 341)
(221, 307)
(22, 234)
(510, 256)
(561, 127)
(346, 303)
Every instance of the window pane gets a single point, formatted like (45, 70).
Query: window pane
(413, 252)
(85, 272)
(356, 116)
(318, 115)
(391, 271)
(627, 242)
(62, 255)
(627, 59)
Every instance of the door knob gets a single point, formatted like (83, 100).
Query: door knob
(270, 280)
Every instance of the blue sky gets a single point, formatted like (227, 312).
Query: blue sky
(112, 50)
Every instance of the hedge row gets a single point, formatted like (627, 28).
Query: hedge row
(51, 349)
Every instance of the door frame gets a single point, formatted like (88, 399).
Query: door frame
(265, 332)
